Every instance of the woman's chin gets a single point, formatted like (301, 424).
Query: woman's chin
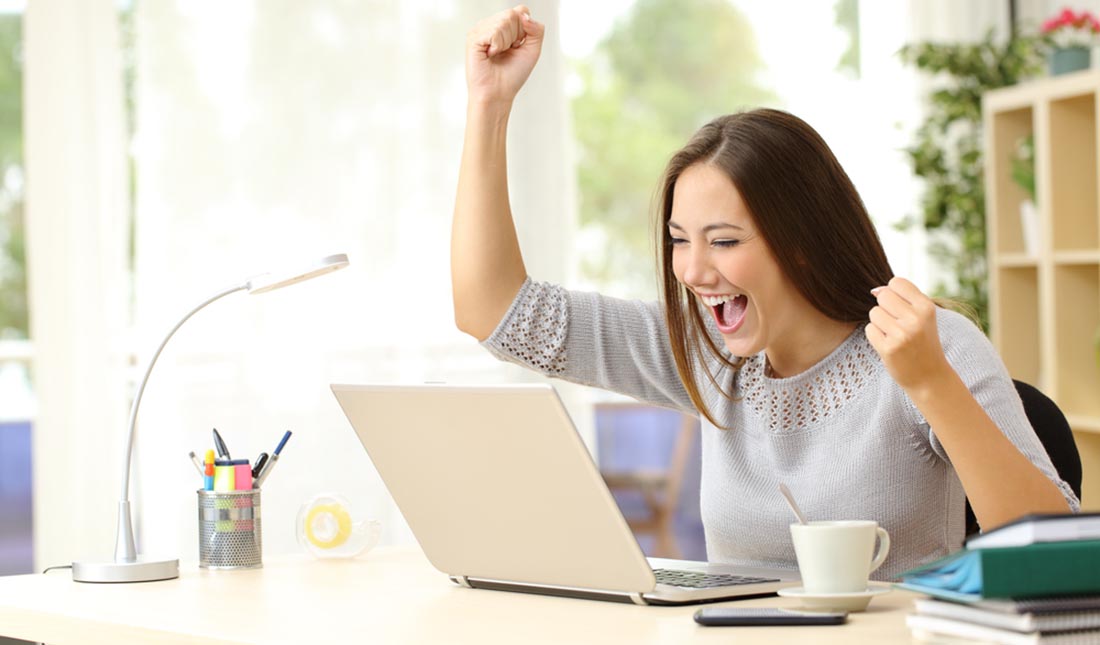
(741, 346)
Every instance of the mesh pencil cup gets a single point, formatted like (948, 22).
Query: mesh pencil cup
(230, 535)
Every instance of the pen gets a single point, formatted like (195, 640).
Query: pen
(223, 452)
(271, 462)
(195, 460)
(282, 442)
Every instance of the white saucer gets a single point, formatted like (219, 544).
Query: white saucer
(855, 601)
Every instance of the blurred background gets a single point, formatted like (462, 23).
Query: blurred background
(152, 152)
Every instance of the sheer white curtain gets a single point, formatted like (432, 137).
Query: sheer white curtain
(74, 147)
(271, 133)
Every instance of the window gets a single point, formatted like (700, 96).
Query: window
(17, 410)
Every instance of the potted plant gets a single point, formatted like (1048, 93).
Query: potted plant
(1071, 36)
(947, 153)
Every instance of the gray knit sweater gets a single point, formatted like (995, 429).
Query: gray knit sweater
(842, 435)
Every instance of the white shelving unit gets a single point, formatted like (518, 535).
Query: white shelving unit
(1045, 305)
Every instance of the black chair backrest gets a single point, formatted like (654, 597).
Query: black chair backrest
(1054, 432)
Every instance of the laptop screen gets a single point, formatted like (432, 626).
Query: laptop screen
(495, 483)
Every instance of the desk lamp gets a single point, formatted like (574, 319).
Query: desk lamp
(127, 566)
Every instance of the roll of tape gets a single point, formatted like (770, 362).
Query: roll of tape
(328, 525)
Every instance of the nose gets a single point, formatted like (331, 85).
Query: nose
(697, 270)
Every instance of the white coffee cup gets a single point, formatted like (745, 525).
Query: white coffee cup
(835, 557)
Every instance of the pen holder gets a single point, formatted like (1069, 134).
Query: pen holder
(230, 535)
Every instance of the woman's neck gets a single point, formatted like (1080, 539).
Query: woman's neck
(806, 346)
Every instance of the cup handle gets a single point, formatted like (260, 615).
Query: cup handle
(883, 548)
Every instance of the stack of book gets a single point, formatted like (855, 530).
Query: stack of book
(1036, 580)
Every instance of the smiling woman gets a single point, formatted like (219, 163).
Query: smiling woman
(781, 323)
(800, 247)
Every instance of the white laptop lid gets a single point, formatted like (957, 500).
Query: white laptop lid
(495, 483)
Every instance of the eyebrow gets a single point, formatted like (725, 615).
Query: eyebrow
(708, 228)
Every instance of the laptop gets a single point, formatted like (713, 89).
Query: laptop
(501, 493)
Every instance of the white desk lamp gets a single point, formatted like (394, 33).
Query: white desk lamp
(127, 566)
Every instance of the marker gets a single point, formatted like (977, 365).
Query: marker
(195, 460)
(223, 452)
(242, 475)
(224, 478)
(208, 472)
(258, 468)
(232, 474)
(271, 462)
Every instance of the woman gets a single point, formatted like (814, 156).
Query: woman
(780, 323)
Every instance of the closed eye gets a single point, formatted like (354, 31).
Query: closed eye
(726, 243)
(676, 240)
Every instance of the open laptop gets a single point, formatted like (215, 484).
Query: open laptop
(501, 493)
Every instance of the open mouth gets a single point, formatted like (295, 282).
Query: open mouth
(729, 312)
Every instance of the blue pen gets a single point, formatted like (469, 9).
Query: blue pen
(282, 443)
(270, 462)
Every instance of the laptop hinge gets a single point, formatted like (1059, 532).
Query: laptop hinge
(637, 599)
(463, 581)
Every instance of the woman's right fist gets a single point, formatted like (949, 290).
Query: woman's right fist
(501, 51)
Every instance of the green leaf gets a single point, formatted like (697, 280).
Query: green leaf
(947, 152)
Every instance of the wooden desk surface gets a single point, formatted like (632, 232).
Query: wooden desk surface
(392, 595)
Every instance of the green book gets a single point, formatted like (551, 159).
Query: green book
(1035, 570)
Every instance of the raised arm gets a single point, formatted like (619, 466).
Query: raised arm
(487, 268)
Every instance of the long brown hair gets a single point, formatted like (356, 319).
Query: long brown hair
(804, 207)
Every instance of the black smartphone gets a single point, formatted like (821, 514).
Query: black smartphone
(729, 616)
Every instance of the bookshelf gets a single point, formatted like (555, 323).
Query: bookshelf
(1044, 294)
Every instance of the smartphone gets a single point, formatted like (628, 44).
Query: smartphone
(729, 616)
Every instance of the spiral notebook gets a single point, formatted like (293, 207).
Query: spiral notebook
(1050, 621)
(935, 629)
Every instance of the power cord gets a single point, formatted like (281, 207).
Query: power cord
(60, 566)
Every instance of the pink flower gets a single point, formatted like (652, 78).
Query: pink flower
(1069, 28)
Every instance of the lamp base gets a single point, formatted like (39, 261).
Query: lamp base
(138, 571)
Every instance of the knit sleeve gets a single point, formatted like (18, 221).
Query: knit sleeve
(979, 366)
(587, 338)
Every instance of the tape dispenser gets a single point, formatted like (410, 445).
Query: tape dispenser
(328, 527)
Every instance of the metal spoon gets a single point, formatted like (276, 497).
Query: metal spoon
(790, 502)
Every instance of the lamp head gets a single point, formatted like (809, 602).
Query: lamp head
(269, 282)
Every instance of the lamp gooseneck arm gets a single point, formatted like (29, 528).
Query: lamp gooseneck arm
(125, 550)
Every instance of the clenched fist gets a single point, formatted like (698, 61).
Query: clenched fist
(501, 51)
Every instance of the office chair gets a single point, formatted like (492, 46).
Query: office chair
(1054, 432)
(659, 487)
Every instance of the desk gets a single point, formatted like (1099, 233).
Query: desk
(392, 595)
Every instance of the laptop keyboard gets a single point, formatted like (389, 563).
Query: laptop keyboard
(699, 580)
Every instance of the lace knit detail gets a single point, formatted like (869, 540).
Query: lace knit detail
(534, 331)
(806, 400)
